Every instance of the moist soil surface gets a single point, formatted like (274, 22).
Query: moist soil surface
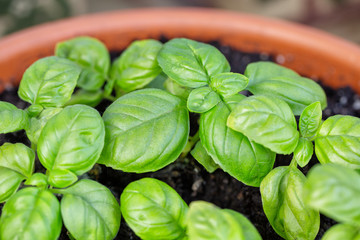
(188, 177)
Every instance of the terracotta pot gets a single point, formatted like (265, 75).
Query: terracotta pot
(308, 51)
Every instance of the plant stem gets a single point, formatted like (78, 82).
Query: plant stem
(190, 144)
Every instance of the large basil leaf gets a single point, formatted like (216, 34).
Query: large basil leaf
(205, 221)
(283, 203)
(228, 84)
(73, 140)
(9, 183)
(12, 118)
(153, 210)
(298, 92)
(310, 120)
(191, 63)
(342, 231)
(202, 100)
(338, 141)
(90, 211)
(266, 120)
(137, 66)
(49, 82)
(32, 214)
(93, 57)
(145, 131)
(242, 158)
(334, 190)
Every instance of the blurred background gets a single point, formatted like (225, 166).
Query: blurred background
(339, 17)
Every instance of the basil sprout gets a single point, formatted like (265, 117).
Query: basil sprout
(266, 120)
(202, 100)
(303, 152)
(310, 120)
(338, 141)
(334, 190)
(12, 118)
(61, 178)
(201, 155)
(49, 82)
(228, 84)
(137, 66)
(162, 121)
(191, 63)
(37, 179)
(93, 57)
(153, 210)
(32, 214)
(342, 231)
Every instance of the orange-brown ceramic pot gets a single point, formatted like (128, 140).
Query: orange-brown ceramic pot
(308, 51)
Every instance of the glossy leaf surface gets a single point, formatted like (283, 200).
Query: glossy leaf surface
(310, 120)
(335, 191)
(202, 100)
(342, 231)
(191, 63)
(38, 180)
(72, 140)
(12, 118)
(338, 141)
(303, 152)
(159, 118)
(49, 82)
(200, 154)
(9, 183)
(93, 57)
(90, 211)
(266, 120)
(174, 88)
(153, 210)
(31, 214)
(61, 178)
(228, 84)
(137, 66)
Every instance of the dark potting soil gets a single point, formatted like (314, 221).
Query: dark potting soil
(189, 178)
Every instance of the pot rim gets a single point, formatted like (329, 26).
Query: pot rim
(309, 51)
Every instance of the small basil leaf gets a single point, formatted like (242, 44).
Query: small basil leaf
(266, 120)
(9, 183)
(176, 89)
(202, 100)
(205, 221)
(137, 65)
(303, 152)
(153, 210)
(67, 143)
(283, 203)
(17, 157)
(93, 57)
(34, 110)
(191, 63)
(61, 178)
(342, 231)
(335, 191)
(338, 141)
(90, 98)
(242, 158)
(37, 124)
(310, 120)
(228, 84)
(38, 180)
(90, 211)
(248, 229)
(201, 155)
(162, 121)
(32, 214)
(12, 118)
(49, 82)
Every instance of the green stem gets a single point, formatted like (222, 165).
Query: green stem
(190, 144)
(293, 163)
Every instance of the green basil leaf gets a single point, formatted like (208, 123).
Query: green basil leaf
(90, 211)
(93, 57)
(176, 89)
(12, 118)
(49, 82)
(303, 152)
(90, 98)
(153, 210)
(283, 203)
(38, 180)
(162, 121)
(191, 63)
(31, 214)
(37, 124)
(266, 120)
(158, 82)
(201, 155)
(271, 79)
(242, 158)
(248, 229)
(335, 191)
(34, 110)
(205, 221)
(202, 100)
(17, 157)
(137, 65)
(9, 183)
(228, 84)
(310, 120)
(61, 178)
(67, 143)
(338, 141)
(342, 231)
(233, 100)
